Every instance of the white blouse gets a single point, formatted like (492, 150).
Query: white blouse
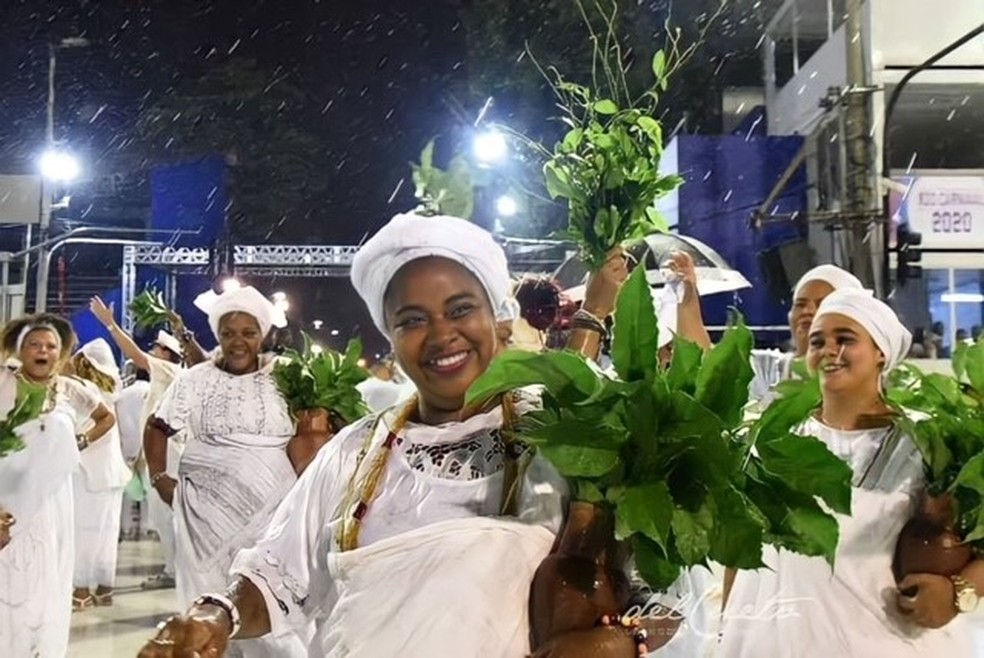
(433, 474)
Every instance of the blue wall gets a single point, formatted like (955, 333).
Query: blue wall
(727, 178)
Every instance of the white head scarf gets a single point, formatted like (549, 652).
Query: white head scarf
(247, 300)
(168, 341)
(410, 237)
(877, 318)
(100, 355)
(837, 278)
(37, 327)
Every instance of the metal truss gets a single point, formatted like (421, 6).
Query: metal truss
(258, 260)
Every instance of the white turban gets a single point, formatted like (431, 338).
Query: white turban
(877, 318)
(168, 341)
(246, 300)
(837, 278)
(100, 355)
(411, 237)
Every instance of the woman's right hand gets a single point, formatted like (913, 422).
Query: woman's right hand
(165, 486)
(6, 522)
(203, 631)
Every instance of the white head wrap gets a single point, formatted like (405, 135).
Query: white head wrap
(246, 300)
(877, 318)
(37, 327)
(165, 339)
(99, 354)
(837, 278)
(411, 237)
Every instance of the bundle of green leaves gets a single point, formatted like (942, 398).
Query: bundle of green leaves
(30, 402)
(323, 379)
(948, 428)
(149, 309)
(443, 192)
(667, 449)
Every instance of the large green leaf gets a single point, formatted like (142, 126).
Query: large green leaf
(722, 385)
(807, 465)
(974, 365)
(692, 533)
(635, 334)
(797, 399)
(566, 375)
(684, 366)
(652, 564)
(647, 509)
(581, 462)
(736, 540)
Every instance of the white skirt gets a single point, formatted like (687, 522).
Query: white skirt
(36, 580)
(97, 534)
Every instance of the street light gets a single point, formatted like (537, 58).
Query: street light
(318, 324)
(490, 148)
(59, 166)
(506, 206)
(229, 284)
(335, 332)
(279, 296)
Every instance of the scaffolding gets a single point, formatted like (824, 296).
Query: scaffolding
(258, 260)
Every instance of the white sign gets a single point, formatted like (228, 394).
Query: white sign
(20, 199)
(947, 210)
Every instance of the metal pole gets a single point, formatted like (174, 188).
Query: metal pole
(5, 295)
(859, 189)
(50, 127)
(41, 280)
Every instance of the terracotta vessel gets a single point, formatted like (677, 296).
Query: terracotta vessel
(928, 542)
(575, 586)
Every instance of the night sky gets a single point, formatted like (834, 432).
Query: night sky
(366, 83)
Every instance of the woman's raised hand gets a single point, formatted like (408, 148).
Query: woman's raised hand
(102, 312)
(202, 632)
(603, 285)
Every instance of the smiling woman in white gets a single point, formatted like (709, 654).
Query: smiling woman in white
(417, 531)
(234, 470)
(36, 489)
(800, 607)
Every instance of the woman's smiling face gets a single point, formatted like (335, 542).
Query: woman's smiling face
(443, 329)
(844, 355)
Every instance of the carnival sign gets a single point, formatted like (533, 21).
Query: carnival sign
(947, 210)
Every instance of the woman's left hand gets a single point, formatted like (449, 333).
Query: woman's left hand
(933, 604)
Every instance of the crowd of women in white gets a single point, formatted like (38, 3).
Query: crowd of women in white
(417, 530)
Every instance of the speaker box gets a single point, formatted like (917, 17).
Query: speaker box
(783, 266)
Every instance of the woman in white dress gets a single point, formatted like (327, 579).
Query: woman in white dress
(98, 486)
(417, 531)
(234, 470)
(36, 489)
(802, 607)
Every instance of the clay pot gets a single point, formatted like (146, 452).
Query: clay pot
(575, 586)
(929, 544)
(314, 429)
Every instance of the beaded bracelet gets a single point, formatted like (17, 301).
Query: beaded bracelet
(226, 604)
(639, 634)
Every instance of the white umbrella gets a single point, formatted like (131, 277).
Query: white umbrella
(714, 275)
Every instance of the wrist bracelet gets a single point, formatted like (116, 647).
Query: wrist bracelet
(226, 604)
(157, 476)
(586, 320)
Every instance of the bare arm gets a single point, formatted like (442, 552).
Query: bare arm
(122, 339)
(155, 452)
(192, 351)
(103, 421)
(599, 300)
(690, 319)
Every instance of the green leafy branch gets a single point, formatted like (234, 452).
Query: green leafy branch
(667, 448)
(325, 379)
(944, 415)
(29, 404)
(443, 192)
(149, 309)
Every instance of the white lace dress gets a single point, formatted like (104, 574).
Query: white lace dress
(232, 475)
(437, 571)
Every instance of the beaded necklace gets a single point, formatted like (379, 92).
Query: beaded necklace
(359, 497)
